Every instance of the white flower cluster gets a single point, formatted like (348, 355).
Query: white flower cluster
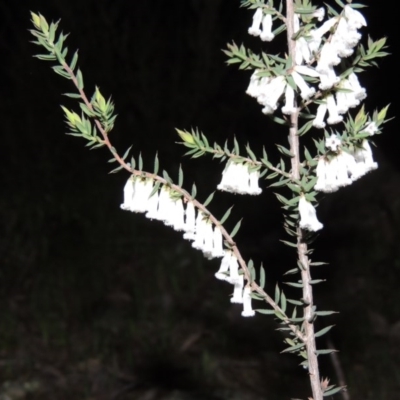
(265, 21)
(229, 272)
(237, 178)
(344, 101)
(343, 168)
(308, 216)
(326, 53)
(163, 207)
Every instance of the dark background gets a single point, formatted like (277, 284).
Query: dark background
(97, 303)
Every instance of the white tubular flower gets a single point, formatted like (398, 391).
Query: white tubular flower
(237, 297)
(321, 175)
(271, 93)
(319, 119)
(325, 27)
(354, 18)
(303, 52)
(365, 157)
(331, 182)
(359, 92)
(255, 27)
(305, 70)
(142, 190)
(254, 189)
(308, 216)
(152, 206)
(242, 179)
(222, 273)
(128, 194)
(334, 117)
(266, 34)
(319, 14)
(208, 241)
(178, 218)
(247, 308)
(343, 171)
(256, 84)
(201, 228)
(328, 79)
(289, 107)
(354, 170)
(190, 221)
(328, 58)
(305, 91)
(218, 249)
(233, 270)
(333, 142)
(228, 177)
(371, 128)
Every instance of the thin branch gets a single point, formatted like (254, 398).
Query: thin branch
(302, 249)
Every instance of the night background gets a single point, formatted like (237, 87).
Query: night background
(98, 303)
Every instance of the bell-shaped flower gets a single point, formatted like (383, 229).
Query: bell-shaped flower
(289, 107)
(359, 92)
(365, 158)
(228, 177)
(306, 92)
(257, 84)
(190, 222)
(218, 249)
(334, 117)
(354, 18)
(255, 27)
(319, 13)
(308, 216)
(152, 206)
(178, 215)
(237, 297)
(208, 246)
(371, 128)
(328, 78)
(128, 194)
(253, 187)
(320, 117)
(333, 142)
(247, 308)
(223, 272)
(266, 34)
(345, 99)
(271, 93)
(233, 270)
(201, 232)
(141, 192)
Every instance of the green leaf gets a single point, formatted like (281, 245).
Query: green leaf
(236, 229)
(79, 78)
(325, 313)
(323, 331)
(283, 302)
(294, 284)
(209, 199)
(116, 169)
(126, 153)
(332, 391)
(226, 215)
(166, 177)
(74, 60)
(265, 312)
(262, 277)
(325, 352)
(156, 165)
(180, 177)
(277, 294)
(293, 348)
(72, 95)
(194, 190)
